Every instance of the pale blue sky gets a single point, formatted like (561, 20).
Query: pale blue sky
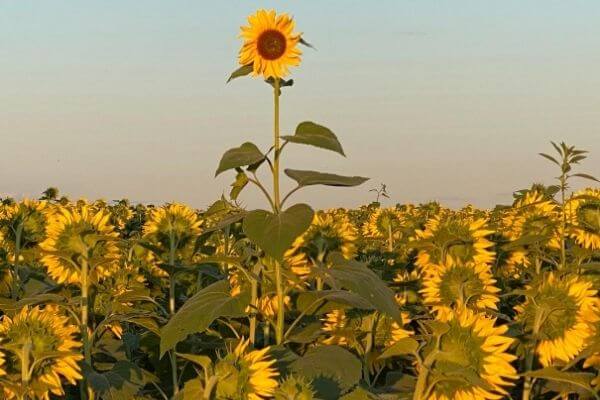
(447, 100)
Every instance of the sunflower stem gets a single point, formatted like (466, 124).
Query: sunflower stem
(276, 148)
(280, 305)
(87, 354)
(172, 356)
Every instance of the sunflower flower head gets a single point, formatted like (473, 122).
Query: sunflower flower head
(450, 238)
(246, 374)
(34, 333)
(473, 362)
(77, 235)
(452, 285)
(583, 214)
(174, 226)
(561, 313)
(270, 44)
(23, 224)
(295, 388)
(329, 232)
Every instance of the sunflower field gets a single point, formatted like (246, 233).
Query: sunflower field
(134, 301)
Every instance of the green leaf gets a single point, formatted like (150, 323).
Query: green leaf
(358, 278)
(331, 300)
(192, 390)
(546, 156)
(308, 178)
(204, 361)
(241, 180)
(437, 328)
(123, 381)
(580, 379)
(275, 233)
(332, 369)
(308, 132)
(359, 394)
(241, 71)
(401, 347)
(200, 311)
(586, 176)
(246, 154)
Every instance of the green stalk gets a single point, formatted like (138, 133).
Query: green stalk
(25, 375)
(277, 202)
(87, 353)
(253, 303)
(172, 356)
(563, 252)
(280, 305)
(16, 277)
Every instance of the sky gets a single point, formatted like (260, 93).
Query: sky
(440, 100)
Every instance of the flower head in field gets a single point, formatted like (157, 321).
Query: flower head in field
(79, 235)
(338, 328)
(561, 312)
(473, 346)
(451, 286)
(295, 388)
(583, 213)
(532, 215)
(383, 223)
(246, 374)
(395, 331)
(454, 239)
(270, 44)
(47, 339)
(328, 233)
(25, 223)
(174, 226)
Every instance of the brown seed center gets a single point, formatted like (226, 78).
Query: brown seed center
(271, 44)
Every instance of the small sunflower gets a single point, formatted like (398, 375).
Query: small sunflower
(338, 329)
(246, 374)
(531, 215)
(449, 238)
(382, 223)
(583, 213)
(270, 45)
(561, 312)
(453, 286)
(475, 346)
(173, 226)
(397, 332)
(77, 235)
(35, 333)
(329, 232)
(24, 222)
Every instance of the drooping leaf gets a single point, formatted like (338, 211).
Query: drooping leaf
(308, 178)
(308, 132)
(580, 379)
(360, 394)
(323, 365)
(192, 390)
(401, 347)
(241, 180)
(330, 300)
(241, 71)
(246, 154)
(275, 233)
(586, 176)
(200, 311)
(358, 278)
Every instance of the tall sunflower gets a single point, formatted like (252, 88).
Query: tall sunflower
(452, 286)
(449, 238)
(329, 232)
(79, 235)
(246, 374)
(270, 45)
(47, 339)
(561, 313)
(472, 347)
(583, 214)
